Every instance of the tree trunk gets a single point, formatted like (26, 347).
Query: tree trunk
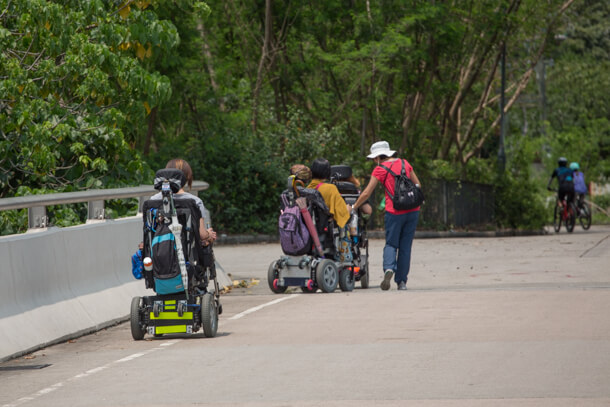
(209, 63)
(261, 64)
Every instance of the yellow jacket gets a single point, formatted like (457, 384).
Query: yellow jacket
(335, 202)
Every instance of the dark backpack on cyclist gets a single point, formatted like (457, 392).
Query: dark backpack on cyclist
(565, 176)
(406, 194)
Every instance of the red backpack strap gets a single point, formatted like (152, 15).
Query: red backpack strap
(318, 186)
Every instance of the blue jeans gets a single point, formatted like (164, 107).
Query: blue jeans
(399, 233)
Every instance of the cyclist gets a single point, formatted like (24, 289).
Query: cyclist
(565, 178)
(580, 188)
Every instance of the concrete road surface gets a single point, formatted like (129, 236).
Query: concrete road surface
(516, 321)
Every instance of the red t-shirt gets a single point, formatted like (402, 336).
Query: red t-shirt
(386, 179)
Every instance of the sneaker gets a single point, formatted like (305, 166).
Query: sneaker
(385, 284)
(402, 285)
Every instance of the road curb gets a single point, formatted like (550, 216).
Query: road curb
(224, 239)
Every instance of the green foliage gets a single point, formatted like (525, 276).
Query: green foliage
(74, 87)
(519, 203)
(13, 222)
(519, 196)
(603, 202)
(98, 93)
(579, 92)
(77, 80)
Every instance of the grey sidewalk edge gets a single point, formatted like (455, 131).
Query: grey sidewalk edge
(224, 239)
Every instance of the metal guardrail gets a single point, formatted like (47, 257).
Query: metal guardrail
(37, 204)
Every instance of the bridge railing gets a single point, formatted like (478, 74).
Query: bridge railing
(95, 198)
(60, 283)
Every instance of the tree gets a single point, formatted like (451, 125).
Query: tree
(76, 85)
(579, 118)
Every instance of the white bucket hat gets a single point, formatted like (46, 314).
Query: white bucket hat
(380, 148)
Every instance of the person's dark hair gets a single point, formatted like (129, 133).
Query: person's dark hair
(320, 168)
(562, 162)
(183, 166)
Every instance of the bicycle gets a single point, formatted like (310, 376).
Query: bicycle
(583, 213)
(564, 212)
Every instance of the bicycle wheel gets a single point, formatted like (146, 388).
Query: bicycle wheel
(557, 219)
(585, 216)
(571, 218)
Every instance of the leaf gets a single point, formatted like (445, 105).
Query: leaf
(140, 51)
(124, 10)
(147, 107)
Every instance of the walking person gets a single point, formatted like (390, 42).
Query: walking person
(399, 224)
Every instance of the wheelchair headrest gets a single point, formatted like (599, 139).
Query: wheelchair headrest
(175, 177)
(346, 187)
(340, 172)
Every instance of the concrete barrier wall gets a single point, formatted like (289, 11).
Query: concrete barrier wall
(61, 283)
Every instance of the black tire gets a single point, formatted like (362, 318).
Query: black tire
(209, 315)
(327, 276)
(307, 290)
(272, 275)
(571, 220)
(557, 218)
(346, 280)
(181, 308)
(585, 216)
(364, 278)
(137, 330)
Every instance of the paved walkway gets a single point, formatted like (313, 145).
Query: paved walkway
(515, 321)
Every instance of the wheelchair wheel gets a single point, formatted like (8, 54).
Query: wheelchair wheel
(272, 277)
(346, 279)
(327, 276)
(364, 277)
(310, 288)
(137, 330)
(209, 315)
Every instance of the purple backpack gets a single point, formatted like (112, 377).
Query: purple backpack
(294, 236)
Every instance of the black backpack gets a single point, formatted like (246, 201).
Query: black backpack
(406, 194)
(565, 176)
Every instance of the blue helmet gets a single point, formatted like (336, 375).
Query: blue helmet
(574, 166)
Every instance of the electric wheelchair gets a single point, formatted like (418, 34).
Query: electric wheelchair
(176, 266)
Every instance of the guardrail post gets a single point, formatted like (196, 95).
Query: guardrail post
(37, 217)
(95, 210)
(141, 202)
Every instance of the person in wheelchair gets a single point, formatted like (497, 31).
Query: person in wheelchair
(177, 265)
(338, 208)
(349, 187)
(302, 174)
(208, 235)
(331, 257)
(320, 172)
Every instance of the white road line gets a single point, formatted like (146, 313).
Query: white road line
(129, 358)
(259, 307)
(89, 372)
